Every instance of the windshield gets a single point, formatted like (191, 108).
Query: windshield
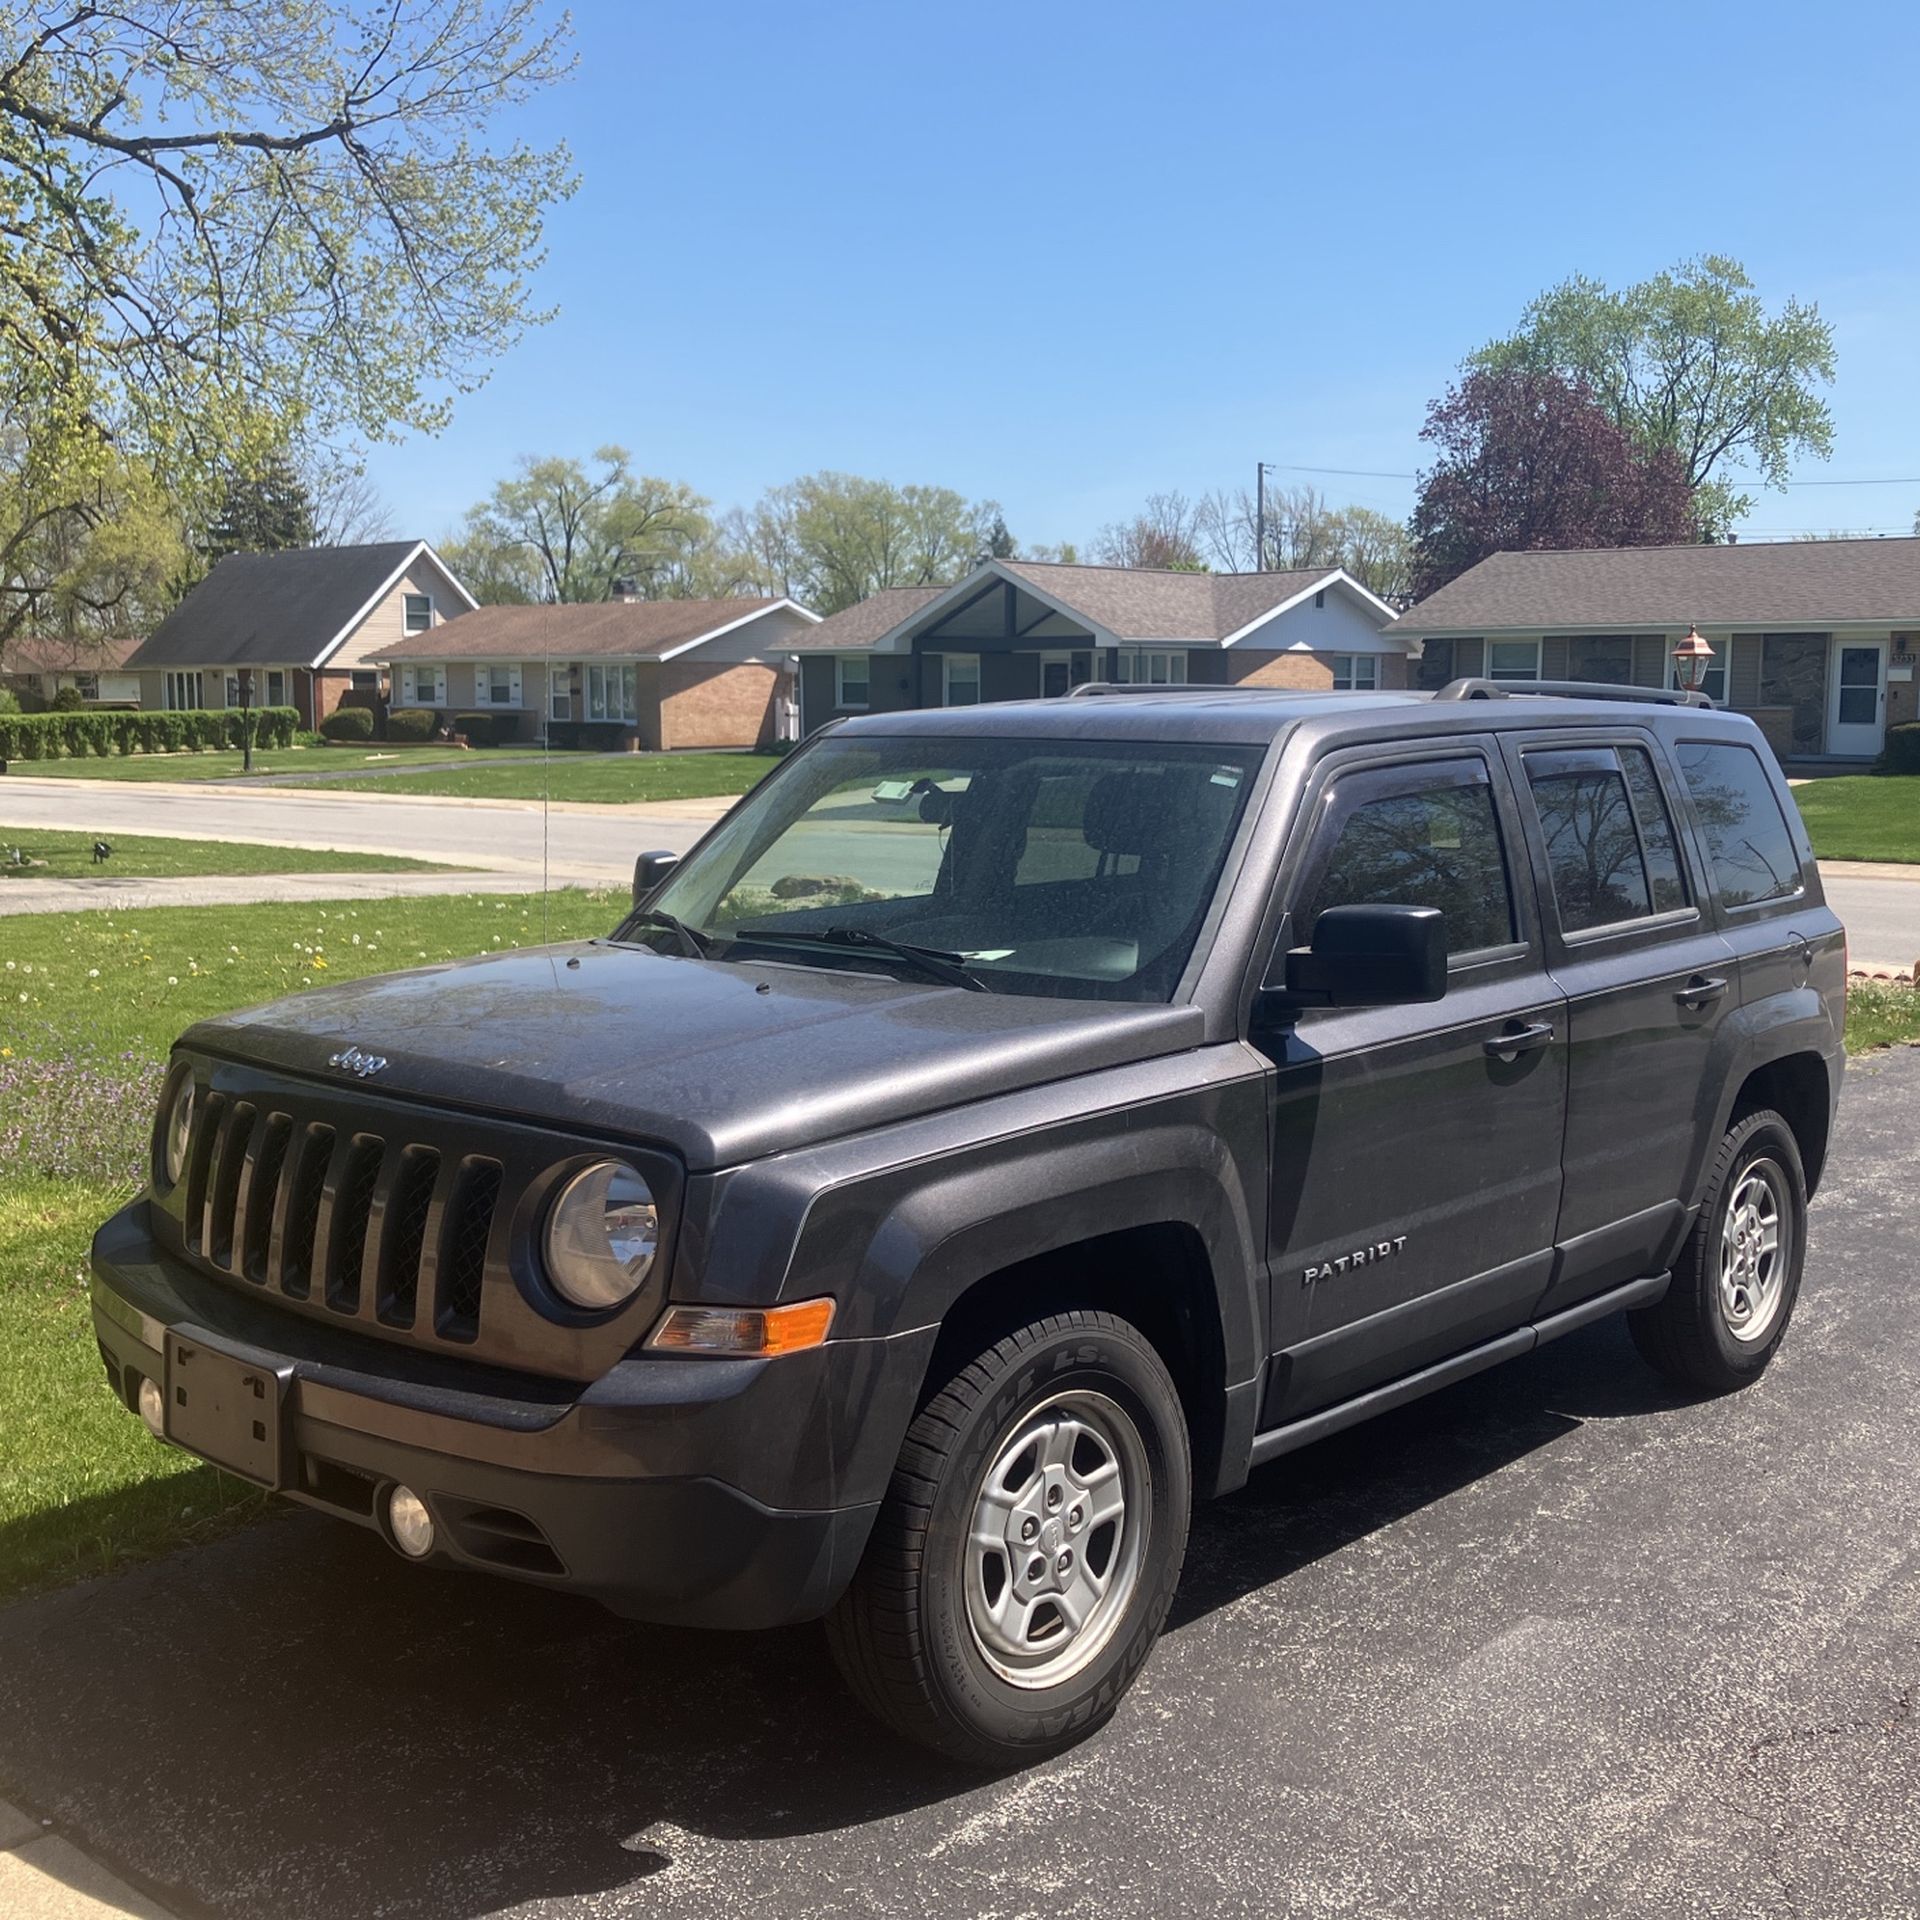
(1040, 866)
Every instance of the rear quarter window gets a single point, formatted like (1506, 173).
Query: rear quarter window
(1749, 842)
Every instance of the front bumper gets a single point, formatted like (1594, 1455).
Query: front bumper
(696, 1492)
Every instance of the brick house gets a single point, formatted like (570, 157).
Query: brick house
(651, 674)
(1817, 639)
(305, 624)
(1024, 629)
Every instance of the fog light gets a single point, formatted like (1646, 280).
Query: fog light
(410, 1523)
(153, 1407)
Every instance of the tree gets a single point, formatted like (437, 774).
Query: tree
(831, 539)
(1529, 460)
(1690, 360)
(265, 508)
(1166, 533)
(347, 508)
(557, 532)
(1303, 530)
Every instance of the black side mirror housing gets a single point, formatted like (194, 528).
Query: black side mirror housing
(649, 870)
(1369, 956)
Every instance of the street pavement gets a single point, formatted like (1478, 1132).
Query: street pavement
(1556, 1643)
(595, 845)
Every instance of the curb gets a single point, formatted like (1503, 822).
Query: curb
(44, 1876)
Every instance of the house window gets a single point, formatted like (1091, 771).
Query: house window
(1136, 668)
(88, 685)
(233, 689)
(183, 692)
(852, 682)
(1356, 672)
(611, 691)
(959, 679)
(1714, 686)
(496, 685)
(1062, 672)
(276, 687)
(419, 612)
(560, 693)
(365, 680)
(1320, 598)
(423, 686)
(1513, 659)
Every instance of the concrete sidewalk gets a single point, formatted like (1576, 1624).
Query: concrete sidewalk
(44, 1876)
(255, 889)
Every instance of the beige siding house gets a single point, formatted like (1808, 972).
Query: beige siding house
(303, 626)
(1817, 639)
(40, 666)
(1025, 630)
(656, 675)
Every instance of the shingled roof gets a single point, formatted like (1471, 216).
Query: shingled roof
(1782, 586)
(592, 630)
(1126, 604)
(277, 609)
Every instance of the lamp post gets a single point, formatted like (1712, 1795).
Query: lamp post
(246, 719)
(1691, 659)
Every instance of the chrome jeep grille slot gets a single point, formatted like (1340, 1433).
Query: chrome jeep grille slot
(466, 1232)
(223, 1183)
(409, 1207)
(352, 1210)
(206, 1129)
(308, 1177)
(262, 1195)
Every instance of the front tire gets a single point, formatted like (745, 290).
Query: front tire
(1738, 1276)
(1027, 1551)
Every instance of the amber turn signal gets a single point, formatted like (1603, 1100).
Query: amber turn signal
(743, 1330)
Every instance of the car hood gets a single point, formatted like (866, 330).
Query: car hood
(720, 1061)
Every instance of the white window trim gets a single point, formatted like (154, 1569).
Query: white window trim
(406, 613)
(410, 694)
(483, 672)
(841, 662)
(1350, 664)
(1487, 659)
(1133, 666)
(946, 678)
(622, 679)
(184, 680)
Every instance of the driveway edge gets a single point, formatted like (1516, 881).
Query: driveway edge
(44, 1876)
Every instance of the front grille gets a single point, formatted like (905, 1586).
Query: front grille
(365, 1226)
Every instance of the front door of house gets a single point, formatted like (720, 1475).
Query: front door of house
(1857, 697)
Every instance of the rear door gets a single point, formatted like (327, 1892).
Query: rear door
(1416, 1150)
(1648, 980)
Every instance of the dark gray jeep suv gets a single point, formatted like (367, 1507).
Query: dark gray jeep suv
(1006, 1125)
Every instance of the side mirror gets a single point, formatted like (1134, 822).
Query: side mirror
(649, 870)
(1370, 956)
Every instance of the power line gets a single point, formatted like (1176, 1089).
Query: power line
(1380, 473)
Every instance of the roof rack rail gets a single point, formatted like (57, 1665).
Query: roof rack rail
(1095, 689)
(1472, 689)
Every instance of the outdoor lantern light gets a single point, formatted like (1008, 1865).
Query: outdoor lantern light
(1691, 659)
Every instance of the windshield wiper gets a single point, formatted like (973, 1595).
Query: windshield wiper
(932, 961)
(693, 943)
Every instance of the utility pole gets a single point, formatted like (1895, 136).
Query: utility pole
(1260, 471)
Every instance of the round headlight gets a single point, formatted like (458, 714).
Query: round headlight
(176, 1129)
(602, 1235)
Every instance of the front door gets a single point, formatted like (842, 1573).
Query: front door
(1416, 1150)
(1857, 697)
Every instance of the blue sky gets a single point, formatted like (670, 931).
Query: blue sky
(1068, 255)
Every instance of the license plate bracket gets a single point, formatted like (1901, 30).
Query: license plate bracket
(228, 1405)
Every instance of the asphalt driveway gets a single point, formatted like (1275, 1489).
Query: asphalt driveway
(1556, 1642)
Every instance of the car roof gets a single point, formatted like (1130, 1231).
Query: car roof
(1257, 716)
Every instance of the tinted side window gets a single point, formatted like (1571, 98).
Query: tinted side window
(1435, 846)
(1657, 839)
(1747, 835)
(1593, 848)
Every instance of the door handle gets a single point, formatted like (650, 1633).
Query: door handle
(1515, 1038)
(1701, 990)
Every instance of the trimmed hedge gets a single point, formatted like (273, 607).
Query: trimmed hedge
(411, 723)
(1901, 754)
(481, 729)
(72, 736)
(347, 723)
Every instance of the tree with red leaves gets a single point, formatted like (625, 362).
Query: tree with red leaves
(1529, 460)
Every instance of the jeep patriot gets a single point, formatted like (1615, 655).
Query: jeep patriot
(1008, 1125)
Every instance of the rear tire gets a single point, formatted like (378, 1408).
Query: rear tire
(1028, 1548)
(1738, 1276)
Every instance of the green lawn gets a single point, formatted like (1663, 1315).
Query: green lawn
(225, 763)
(89, 1004)
(1862, 816)
(53, 855)
(623, 778)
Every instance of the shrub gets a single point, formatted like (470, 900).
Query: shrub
(411, 723)
(348, 723)
(481, 729)
(68, 700)
(1901, 754)
(9, 700)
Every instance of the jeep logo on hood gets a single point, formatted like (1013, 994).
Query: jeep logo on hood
(362, 1065)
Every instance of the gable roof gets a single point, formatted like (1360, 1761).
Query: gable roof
(291, 608)
(65, 653)
(1119, 605)
(1776, 586)
(600, 629)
